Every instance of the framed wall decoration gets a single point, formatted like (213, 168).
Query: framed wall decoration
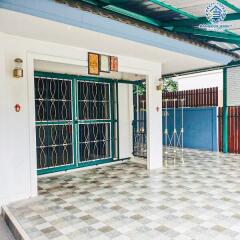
(93, 63)
(114, 64)
(104, 63)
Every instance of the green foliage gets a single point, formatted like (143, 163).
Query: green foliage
(169, 85)
(139, 89)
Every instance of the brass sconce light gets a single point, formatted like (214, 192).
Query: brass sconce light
(18, 70)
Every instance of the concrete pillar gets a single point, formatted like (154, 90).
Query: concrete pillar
(154, 123)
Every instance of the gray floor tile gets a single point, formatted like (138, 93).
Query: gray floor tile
(197, 197)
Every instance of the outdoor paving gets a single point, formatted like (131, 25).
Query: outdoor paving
(198, 198)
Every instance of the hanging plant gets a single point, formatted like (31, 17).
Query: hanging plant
(170, 85)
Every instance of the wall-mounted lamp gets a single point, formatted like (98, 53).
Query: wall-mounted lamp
(18, 70)
(159, 86)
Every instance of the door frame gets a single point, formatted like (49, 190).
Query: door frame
(76, 59)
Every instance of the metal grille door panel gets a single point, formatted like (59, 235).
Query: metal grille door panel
(95, 125)
(74, 122)
(94, 141)
(53, 109)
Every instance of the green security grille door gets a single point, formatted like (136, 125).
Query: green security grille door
(94, 121)
(74, 121)
(53, 109)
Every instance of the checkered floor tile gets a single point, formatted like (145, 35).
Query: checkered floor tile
(197, 197)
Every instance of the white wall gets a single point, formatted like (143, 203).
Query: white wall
(45, 66)
(201, 80)
(125, 120)
(18, 177)
(233, 86)
(154, 122)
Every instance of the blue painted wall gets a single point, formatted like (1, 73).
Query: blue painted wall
(200, 127)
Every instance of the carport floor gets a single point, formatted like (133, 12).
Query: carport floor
(195, 199)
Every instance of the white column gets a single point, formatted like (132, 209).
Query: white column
(154, 123)
(125, 124)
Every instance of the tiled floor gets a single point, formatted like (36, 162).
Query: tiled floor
(195, 199)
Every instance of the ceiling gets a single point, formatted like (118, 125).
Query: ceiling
(179, 16)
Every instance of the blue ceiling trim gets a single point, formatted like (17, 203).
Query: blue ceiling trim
(51, 10)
